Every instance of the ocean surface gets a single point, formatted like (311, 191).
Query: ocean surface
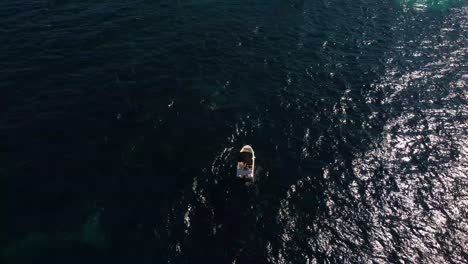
(121, 121)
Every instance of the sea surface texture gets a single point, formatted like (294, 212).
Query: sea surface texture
(121, 122)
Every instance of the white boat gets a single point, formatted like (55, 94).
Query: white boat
(246, 163)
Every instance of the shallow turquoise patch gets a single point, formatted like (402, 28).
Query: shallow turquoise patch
(429, 4)
(91, 233)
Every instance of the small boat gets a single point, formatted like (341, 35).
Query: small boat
(246, 163)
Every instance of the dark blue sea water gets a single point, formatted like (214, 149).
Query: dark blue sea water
(120, 123)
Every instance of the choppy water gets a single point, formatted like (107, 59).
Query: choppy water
(120, 122)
